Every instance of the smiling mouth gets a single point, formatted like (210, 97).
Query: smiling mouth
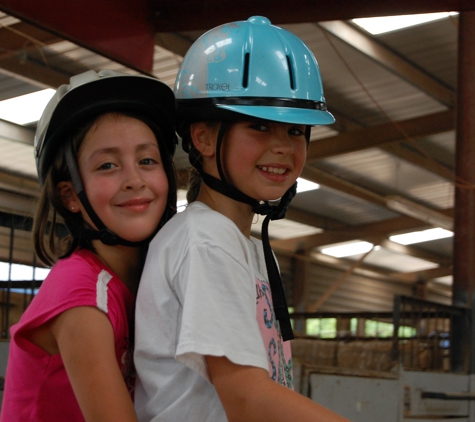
(138, 203)
(273, 170)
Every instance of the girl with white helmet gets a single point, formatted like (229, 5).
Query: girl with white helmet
(104, 147)
(212, 325)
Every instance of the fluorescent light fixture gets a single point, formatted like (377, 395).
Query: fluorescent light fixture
(384, 24)
(347, 249)
(421, 212)
(25, 108)
(421, 236)
(304, 185)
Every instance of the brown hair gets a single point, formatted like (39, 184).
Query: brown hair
(48, 242)
(195, 179)
(194, 185)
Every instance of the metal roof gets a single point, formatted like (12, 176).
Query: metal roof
(375, 86)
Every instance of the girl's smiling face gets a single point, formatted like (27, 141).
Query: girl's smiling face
(123, 175)
(263, 159)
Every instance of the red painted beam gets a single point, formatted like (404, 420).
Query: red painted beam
(119, 30)
(186, 15)
(123, 30)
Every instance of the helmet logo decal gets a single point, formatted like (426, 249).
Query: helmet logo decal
(217, 87)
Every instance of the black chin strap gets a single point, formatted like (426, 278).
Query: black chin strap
(103, 233)
(272, 212)
(276, 212)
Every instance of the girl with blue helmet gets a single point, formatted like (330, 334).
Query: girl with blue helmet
(104, 148)
(211, 321)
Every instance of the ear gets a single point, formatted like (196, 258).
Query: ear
(68, 196)
(203, 138)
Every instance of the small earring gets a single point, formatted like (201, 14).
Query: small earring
(72, 208)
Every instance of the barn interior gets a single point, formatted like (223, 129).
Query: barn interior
(378, 256)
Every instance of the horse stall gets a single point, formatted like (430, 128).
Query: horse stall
(419, 373)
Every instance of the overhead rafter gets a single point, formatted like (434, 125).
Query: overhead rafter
(323, 178)
(380, 135)
(415, 252)
(391, 138)
(423, 275)
(424, 161)
(16, 133)
(311, 219)
(368, 270)
(387, 58)
(19, 185)
(381, 229)
(24, 55)
(22, 36)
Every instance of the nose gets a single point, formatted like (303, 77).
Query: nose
(281, 143)
(133, 179)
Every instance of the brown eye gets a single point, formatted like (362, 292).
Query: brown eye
(296, 131)
(106, 166)
(148, 161)
(261, 127)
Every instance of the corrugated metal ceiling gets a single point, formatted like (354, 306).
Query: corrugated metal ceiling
(361, 92)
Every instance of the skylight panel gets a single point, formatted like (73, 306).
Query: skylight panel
(381, 25)
(347, 249)
(304, 185)
(25, 108)
(421, 236)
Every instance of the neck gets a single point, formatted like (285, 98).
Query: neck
(238, 212)
(123, 260)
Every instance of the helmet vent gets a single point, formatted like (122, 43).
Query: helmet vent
(291, 73)
(245, 76)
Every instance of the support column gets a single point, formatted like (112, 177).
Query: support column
(464, 210)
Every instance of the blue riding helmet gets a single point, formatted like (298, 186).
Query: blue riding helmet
(250, 68)
(253, 68)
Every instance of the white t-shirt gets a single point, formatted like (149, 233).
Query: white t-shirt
(204, 291)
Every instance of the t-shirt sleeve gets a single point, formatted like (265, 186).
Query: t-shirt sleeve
(65, 287)
(218, 296)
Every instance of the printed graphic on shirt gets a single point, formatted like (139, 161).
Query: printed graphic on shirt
(127, 364)
(278, 351)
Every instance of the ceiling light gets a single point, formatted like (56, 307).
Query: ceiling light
(421, 212)
(304, 185)
(347, 249)
(25, 108)
(421, 236)
(384, 24)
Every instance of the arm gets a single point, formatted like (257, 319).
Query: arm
(247, 393)
(85, 339)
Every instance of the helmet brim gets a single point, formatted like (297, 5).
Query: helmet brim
(300, 116)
